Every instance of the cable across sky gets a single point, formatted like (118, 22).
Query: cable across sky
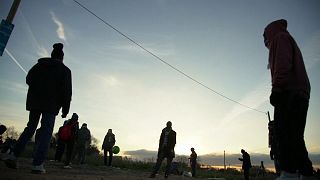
(165, 62)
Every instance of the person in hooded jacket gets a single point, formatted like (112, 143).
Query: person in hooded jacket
(49, 90)
(82, 143)
(108, 143)
(290, 97)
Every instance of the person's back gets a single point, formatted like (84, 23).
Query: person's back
(49, 86)
(84, 135)
(109, 141)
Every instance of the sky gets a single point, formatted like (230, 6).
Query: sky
(118, 85)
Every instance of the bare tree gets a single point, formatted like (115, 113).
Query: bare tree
(11, 133)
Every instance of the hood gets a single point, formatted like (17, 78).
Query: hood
(49, 62)
(274, 28)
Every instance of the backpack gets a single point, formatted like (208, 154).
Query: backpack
(66, 133)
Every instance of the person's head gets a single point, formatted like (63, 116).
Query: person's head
(169, 124)
(109, 130)
(192, 149)
(84, 125)
(57, 52)
(75, 116)
(272, 29)
(243, 151)
(261, 162)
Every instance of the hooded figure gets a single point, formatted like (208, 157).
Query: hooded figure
(290, 97)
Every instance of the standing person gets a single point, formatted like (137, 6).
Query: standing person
(73, 126)
(108, 143)
(166, 149)
(193, 162)
(60, 145)
(49, 89)
(82, 142)
(290, 97)
(246, 163)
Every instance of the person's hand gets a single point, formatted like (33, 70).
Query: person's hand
(275, 98)
(63, 115)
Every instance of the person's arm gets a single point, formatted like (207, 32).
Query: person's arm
(67, 93)
(283, 62)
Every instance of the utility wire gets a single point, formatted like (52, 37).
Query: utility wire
(163, 61)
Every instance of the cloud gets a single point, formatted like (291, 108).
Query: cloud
(60, 30)
(43, 52)
(311, 50)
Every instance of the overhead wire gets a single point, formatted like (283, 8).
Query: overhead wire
(163, 61)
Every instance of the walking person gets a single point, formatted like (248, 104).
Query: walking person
(167, 143)
(193, 162)
(49, 89)
(69, 135)
(60, 147)
(82, 143)
(108, 143)
(290, 96)
(246, 164)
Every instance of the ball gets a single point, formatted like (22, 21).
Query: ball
(115, 149)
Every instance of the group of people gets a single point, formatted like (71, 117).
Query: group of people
(50, 90)
(74, 140)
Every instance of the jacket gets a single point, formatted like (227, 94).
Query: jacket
(84, 136)
(168, 149)
(50, 86)
(288, 71)
(109, 141)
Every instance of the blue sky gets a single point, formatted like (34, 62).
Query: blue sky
(118, 85)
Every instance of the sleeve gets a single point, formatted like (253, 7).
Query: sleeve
(67, 93)
(30, 74)
(282, 63)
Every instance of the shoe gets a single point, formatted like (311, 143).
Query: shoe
(67, 167)
(288, 176)
(38, 169)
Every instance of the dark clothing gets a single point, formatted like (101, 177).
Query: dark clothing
(82, 142)
(193, 163)
(108, 143)
(246, 164)
(106, 162)
(70, 143)
(290, 98)
(49, 87)
(167, 148)
(285, 61)
(59, 150)
(290, 118)
(43, 136)
(167, 143)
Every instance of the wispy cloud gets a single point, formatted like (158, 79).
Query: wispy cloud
(43, 52)
(60, 30)
(311, 50)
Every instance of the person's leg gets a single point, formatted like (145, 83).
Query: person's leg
(169, 160)
(43, 140)
(27, 133)
(193, 169)
(157, 165)
(105, 153)
(303, 161)
(59, 150)
(110, 157)
(82, 154)
(70, 145)
(246, 174)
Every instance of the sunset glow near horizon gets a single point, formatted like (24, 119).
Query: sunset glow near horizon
(118, 85)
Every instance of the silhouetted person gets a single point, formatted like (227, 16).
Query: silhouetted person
(167, 143)
(60, 145)
(290, 97)
(246, 164)
(262, 170)
(49, 84)
(108, 143)
(82, 142)
(73, 122)
(193, 162)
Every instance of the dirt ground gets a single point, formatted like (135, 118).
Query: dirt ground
(55, 171)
